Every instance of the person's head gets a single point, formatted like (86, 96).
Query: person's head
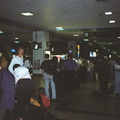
(46, 56)
(84, 62)
(70, 56)
(55, 59)
(3, 62)
(20, 51)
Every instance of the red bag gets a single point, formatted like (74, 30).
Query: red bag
(45, 100)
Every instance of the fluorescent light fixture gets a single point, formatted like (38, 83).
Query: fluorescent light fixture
(118, 37)
(59, 28)
(16, 42)
(108, 13)
(27, 14)
(1, 31)
(112, 21)
(16, 38)
(76, 35)
(85, 40)
(110, 43)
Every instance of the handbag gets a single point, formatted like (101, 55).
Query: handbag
(1, 90)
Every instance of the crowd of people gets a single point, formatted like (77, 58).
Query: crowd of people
(71, 72)
(66, 75)
(16, 83)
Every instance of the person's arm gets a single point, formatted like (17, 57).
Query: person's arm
(42, 74)
(10, 68)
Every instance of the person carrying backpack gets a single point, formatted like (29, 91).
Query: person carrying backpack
(47, 75)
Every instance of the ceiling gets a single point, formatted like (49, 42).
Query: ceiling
(75, 16)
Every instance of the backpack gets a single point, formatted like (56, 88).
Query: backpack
(52, 69)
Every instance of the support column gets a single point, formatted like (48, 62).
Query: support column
(42, 38)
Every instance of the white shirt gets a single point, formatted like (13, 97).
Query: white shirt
(21, 72)
(27, 64)
(15, 60)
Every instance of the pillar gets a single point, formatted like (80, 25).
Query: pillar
(41, 37)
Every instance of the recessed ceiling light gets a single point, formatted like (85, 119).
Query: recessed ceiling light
(118, 37)
(112, 21)
(16, 42)
(16, 38)
(1, 31)
(109, 43)
(75, 35)
(86, 40)
(108, 13)
(27, 14)
(59, 28)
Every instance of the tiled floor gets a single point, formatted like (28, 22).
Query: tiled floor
(82, 105)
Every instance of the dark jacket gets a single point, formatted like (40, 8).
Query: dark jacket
(8, 86)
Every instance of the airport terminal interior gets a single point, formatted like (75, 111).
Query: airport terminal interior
(85, 103)
(87, 29)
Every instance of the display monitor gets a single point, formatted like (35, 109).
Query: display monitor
(93, 54)
(13, 50)
(36, 46)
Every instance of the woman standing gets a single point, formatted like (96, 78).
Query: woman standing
(7, 81)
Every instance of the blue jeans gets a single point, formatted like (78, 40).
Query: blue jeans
(49, 81)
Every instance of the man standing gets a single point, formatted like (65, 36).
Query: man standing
(18, 59)
(48, 78)
(70, 66)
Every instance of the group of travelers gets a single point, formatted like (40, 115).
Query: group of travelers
(16, 83)
(103, 70)
(66, 75)
(70, 73)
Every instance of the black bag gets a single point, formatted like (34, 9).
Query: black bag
(32, 112)
(52, 69)
(11, 115)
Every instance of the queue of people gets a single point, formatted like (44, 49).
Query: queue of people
(17, 82)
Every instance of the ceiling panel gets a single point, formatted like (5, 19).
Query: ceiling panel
(75, 16)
